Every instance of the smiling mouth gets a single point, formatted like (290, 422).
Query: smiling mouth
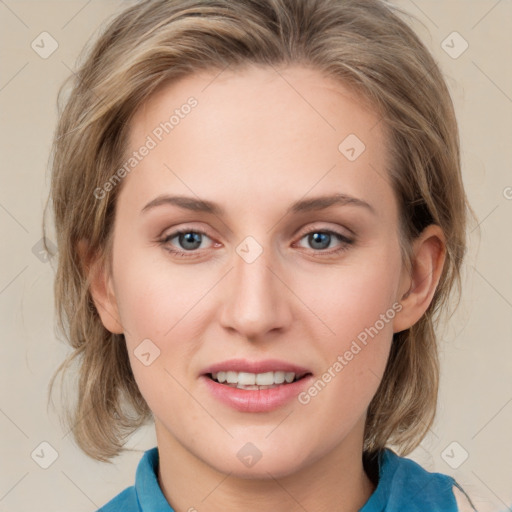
(255, 381)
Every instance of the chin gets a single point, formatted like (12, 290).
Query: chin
(275, 467)
(263, 461)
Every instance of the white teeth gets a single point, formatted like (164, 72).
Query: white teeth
(254, 379)
(265, 379)
(278, 377)
(246, 379)
(232, 377)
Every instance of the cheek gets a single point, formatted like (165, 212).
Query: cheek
(357, 308)
(156, 305)
(353, 297)
(155, 296)
(157, 302)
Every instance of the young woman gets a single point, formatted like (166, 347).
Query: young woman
(260, 214)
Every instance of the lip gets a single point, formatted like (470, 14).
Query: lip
(264, 400)
(244, 365)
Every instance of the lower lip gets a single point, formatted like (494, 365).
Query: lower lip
(263, 400)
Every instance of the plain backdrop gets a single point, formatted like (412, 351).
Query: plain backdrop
(470, 439)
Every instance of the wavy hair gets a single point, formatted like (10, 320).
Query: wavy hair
(365, 45)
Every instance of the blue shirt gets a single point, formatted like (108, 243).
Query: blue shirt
(403, 486)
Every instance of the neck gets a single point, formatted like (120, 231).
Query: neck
(336, 481)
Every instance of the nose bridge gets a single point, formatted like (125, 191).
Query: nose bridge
(256, 300)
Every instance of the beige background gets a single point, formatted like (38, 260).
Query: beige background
(475, 404)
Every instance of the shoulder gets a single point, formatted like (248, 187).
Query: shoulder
(406, 485)
(125, 501)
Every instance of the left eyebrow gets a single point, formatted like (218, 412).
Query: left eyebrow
(323, 202)
(188, 203)
(303, 205)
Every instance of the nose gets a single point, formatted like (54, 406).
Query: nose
(257, 298)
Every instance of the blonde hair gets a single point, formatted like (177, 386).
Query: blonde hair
(365, 45)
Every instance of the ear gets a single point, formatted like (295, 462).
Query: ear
(101, 288)
(417, 287)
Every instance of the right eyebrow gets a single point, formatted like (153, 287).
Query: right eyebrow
(323, 202)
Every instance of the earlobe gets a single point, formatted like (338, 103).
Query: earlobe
(429, 251)
(101, 289)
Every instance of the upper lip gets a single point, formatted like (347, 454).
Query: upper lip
(244, 365)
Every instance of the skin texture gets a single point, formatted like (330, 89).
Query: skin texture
(257, 141)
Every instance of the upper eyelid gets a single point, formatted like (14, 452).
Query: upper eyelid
(315, 225)
(301, 233)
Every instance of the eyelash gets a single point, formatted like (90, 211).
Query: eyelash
(346, 242)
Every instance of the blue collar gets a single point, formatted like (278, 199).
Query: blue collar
(149, 494)
(401, 481)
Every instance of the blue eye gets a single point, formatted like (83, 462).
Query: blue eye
(321, 240)
(189, 241)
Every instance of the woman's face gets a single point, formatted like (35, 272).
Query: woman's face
(267, 278)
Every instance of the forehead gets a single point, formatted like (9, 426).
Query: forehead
(258, 131)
